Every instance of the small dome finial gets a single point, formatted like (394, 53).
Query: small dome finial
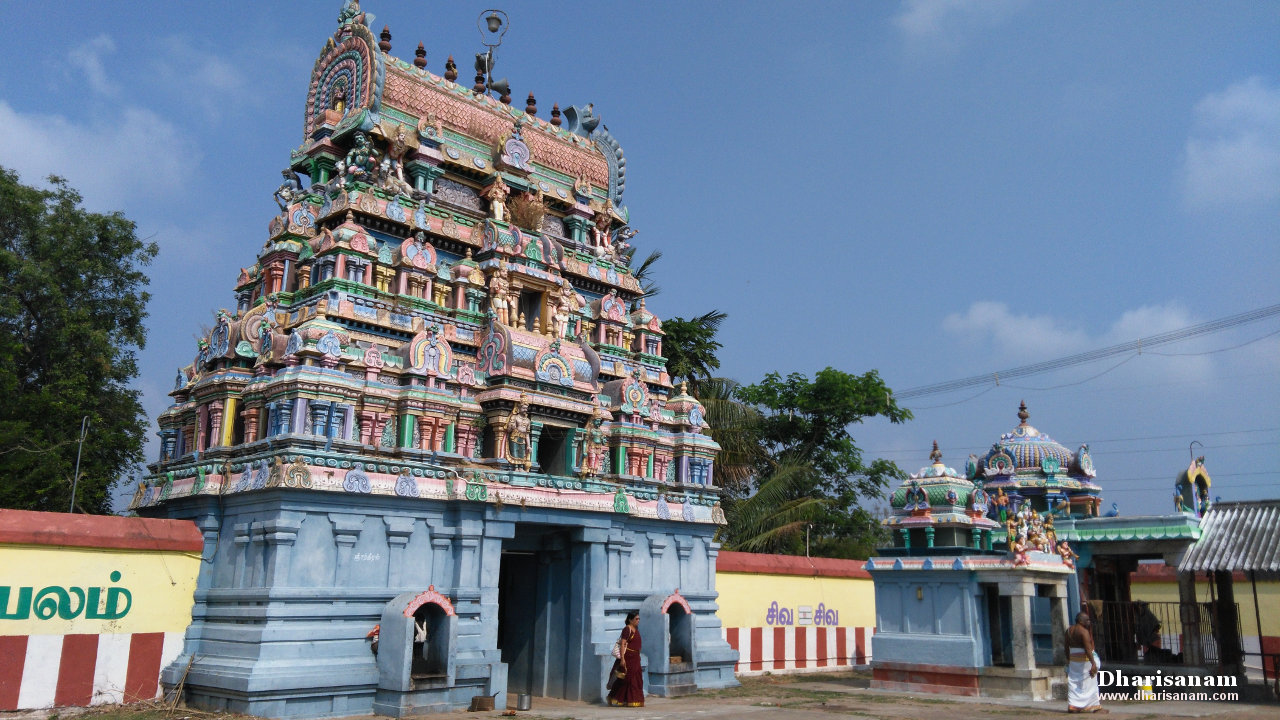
(420, 57)
(555, 114)
(936, 454)
(384, 40)
(531, 106)
(450, 69)
(1022, 412)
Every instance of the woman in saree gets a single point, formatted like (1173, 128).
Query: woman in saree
(627, 689)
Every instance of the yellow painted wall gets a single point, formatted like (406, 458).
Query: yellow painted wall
(745, 598)
(1268, 598)
(157, 589)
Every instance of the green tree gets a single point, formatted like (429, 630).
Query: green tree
(72, 305)
(690, 347)
(812, 474)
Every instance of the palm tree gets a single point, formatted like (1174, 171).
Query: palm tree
(690, 347)
(734, 425)
(644, 271)
(771, 518)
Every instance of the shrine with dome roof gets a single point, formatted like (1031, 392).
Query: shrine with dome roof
(987, 566)
(434, 449)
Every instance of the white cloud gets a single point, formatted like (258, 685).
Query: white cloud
(120, 156)
(943, 22)
(1018, 339)
(202, 77)
(1233, 154)
(88, 58)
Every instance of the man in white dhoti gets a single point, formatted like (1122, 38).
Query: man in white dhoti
(1082, 667)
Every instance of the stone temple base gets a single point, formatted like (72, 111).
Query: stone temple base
(995, 682)
(511, 599)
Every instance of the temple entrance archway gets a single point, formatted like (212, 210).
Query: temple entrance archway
(543, 624)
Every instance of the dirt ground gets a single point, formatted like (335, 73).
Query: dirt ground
(805, 697)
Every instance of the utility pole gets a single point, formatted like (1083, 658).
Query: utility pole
(84, 430)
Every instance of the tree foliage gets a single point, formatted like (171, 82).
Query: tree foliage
(810, 474)
(72, 306)
(690, 347)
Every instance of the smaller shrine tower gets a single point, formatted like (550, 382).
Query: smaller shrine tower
(955, 614)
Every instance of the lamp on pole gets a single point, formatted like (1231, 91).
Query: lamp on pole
(493, 24)
(75, 482)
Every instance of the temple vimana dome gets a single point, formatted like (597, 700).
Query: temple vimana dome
(438, 399)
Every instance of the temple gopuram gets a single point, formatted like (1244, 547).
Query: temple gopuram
(433, 449)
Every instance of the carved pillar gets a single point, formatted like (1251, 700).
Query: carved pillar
(257, 557)
(169, 444)
(202, 418)
(340, 267)
(320, 417)
(468, 565)
(407, 430)
(215, 424)
(657, 548)
(300, 415)
(285, 412)
(684, 549)
(535, 435)
(441, 565)
(346, 531)
(368, 419)
(1020, 593)
(424, 175)
(274, 273)
(278, 536)
(429, 435)
(242, 573)
(577, 227)
(1059, 624)
(210, 529)
(399, 530)
(302, 277)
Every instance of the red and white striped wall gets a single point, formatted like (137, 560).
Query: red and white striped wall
(798, 649)
(44, 671)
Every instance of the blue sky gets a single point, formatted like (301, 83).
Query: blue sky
(930, 189)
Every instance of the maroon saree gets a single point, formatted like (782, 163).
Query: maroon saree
(628, 691)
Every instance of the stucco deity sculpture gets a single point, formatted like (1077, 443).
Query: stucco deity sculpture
(497, 194)
(518, 440)
(593, 444)
(601, 240)
(290, 188)
(359, 163)
(559, 314)
(499, 301)
(397, 147)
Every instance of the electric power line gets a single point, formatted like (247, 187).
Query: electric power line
(1133, 346)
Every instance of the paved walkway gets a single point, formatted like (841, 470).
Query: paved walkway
(829, 697)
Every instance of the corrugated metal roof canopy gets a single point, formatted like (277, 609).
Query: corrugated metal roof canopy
(1237, 536)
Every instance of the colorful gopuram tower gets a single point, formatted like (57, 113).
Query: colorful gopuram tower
(434, 449)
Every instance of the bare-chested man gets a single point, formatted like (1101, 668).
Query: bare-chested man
(1082, 667)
